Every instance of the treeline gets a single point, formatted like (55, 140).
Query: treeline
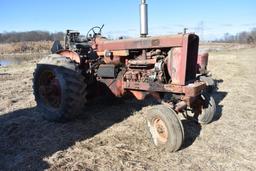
(248, 37)
(12, 37)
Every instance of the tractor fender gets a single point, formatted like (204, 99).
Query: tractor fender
(69, 54)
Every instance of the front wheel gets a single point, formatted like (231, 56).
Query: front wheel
(208, 109)
(165, 128)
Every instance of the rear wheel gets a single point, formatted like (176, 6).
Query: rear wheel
(59, 88)
(165, 128)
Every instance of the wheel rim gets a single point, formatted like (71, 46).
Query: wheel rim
(50, 89)
(161, 131)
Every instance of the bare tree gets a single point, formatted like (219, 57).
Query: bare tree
(242, 37)
(9, 37)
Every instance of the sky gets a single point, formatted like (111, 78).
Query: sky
(208, 18)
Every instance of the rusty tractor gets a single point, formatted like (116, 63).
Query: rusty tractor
(164, 67)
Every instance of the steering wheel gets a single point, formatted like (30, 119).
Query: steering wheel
(88, 35)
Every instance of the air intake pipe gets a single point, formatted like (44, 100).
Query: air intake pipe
(143, 19)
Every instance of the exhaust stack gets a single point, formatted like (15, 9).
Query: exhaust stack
(143, 19)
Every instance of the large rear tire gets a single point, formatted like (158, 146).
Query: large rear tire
(165, 128)
(59, 88)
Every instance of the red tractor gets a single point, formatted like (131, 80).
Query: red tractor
(164, 67)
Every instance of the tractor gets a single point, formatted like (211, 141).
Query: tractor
(164, 67)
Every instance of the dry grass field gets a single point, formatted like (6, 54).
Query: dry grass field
(113, 135)
(25, 47)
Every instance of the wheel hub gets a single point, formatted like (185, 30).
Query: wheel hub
(50, 89)
(161, 130)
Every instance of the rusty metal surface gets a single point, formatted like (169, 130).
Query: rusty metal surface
(114, 53)
(70, 54)
(142, 62)
(175, 65)
(161, 130)
(174, 88)
(194, 89)
(181, 61)
(143, 86)
(190, 90)
(114, 60)
(140, 43)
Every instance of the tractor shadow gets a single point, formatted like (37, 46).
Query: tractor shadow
(218, 97)
(26, 139)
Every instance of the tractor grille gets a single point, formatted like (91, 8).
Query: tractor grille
(193, 42)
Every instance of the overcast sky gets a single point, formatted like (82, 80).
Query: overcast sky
(208, 18)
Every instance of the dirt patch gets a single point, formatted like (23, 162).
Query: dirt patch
(113, 136)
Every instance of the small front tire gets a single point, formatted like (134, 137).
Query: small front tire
(165, 128)
(208, 109)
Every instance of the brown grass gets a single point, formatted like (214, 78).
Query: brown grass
(25, 47)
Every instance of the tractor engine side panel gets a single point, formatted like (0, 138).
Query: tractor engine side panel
(139, 43)
(182, 61)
